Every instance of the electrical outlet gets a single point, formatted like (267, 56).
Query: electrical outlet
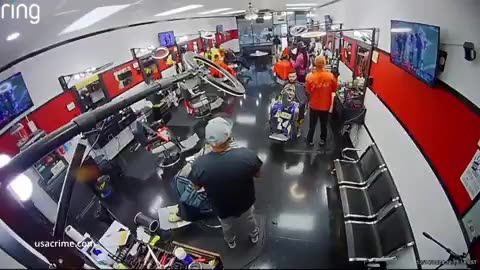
(71, 106)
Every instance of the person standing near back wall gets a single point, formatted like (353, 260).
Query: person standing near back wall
(320, 85)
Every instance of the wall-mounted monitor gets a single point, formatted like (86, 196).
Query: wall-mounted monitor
(167, 39)
(14, 99)
(414, 48)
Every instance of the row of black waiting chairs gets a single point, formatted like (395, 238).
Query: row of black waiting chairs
(376, 224)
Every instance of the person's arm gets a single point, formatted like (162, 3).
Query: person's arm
(254, 163)
(334, 84)
(308, 84)
(299, 62)
(195, 176)
(258, 166)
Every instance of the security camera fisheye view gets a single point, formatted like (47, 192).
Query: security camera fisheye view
(248, 134)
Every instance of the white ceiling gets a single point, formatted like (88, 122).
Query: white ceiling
(56, 15)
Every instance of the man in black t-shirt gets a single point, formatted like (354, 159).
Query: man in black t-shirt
(227, 174)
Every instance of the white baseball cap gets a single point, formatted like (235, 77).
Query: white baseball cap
(218, 131)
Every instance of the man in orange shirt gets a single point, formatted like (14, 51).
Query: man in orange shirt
(283, 68)
(222, 64)
(320, 85)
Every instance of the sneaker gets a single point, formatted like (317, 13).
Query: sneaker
(255, 237)
(322, 142)
(309, 143)
(232, 244)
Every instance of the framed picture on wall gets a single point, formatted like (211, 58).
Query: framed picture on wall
(362, 62)
(347, 52)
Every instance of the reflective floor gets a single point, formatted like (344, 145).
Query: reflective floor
(291, 193)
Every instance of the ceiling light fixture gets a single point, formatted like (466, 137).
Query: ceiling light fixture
(93, 17)
(179, 10)
(313, 34)
(13, 36)
(267, 16)
(67, 12)
(234, 12)
(214, 11)
(251, 13)
(298, 8)
(207, 35)
(302, 5)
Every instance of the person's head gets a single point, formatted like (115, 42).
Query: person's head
(218, 133)
(217, 46)
(285, 57)
(301, 48)
(292, 76)
(320, 63)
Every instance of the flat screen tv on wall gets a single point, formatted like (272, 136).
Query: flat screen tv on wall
(14, 99)
(414, 48)
(167, 39)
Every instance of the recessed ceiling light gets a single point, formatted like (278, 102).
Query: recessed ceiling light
(298, 8)
(302, 5)
(179, 10)
(67, 12)
(13, 36)
(214, 11)
(233, 12)
(93, 17)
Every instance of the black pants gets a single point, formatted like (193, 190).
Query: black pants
(301, 112)
(301, 78)
(314, 116)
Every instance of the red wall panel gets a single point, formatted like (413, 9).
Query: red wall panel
(190, 45)
(54, 114)
(48, 117)
(8, 144)
(200, 45)
(445, 128)
(350, 64)
(113, 86)
(233, 34)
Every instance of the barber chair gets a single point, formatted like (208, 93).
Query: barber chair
(359, 172)
(380, 240)
(158, 139)
(368, 202)
(198, 103)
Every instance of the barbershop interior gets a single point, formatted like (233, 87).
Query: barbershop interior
(253, 134)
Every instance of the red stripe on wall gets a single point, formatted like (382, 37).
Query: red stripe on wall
(445, 128)
(113, 86)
